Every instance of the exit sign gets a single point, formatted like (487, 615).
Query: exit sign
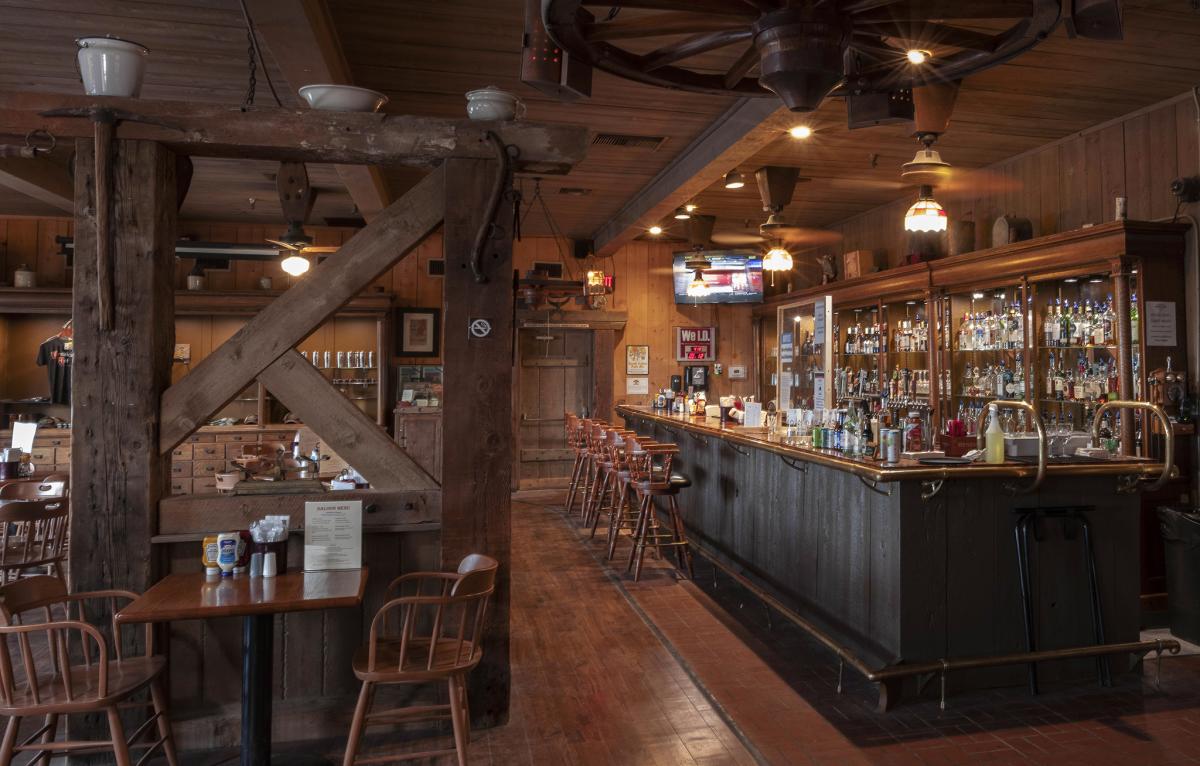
(695, 344)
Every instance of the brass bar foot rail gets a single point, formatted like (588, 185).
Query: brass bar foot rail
(887, 677)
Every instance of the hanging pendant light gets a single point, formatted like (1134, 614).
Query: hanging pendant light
(734, 180)
(697, 287)
(777, 259)
(925, 214)
(682, 214)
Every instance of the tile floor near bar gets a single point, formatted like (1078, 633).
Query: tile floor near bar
(666, 672)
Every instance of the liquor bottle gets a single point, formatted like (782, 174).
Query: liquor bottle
(1133, 317)
(1049, 328)
(866, 437)
(1050, 377)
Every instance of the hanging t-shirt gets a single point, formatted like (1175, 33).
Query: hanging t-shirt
(57, 354)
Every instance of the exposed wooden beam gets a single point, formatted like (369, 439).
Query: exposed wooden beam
(41, 179)
(291, 317)
(352, 435)
(306, 135)
(734, 137)
(301, 38)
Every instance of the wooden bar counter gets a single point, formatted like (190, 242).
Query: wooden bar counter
(896, 574)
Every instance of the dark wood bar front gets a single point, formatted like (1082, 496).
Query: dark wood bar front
(897, 577)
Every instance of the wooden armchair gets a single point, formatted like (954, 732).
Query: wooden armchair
(33, 534)
(433, 634)
(73, 669)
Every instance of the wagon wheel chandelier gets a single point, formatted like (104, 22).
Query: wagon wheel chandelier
(805, 50)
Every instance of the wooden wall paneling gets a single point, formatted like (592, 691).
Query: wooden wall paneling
(51, 267)
(1164, 163)
(1112, 169)
(1094, 190)
(22, 245)
(1072, 192)
(1048, 178)
(603, 344)
(478, 391)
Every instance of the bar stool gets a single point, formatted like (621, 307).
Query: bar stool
(601, 499)
(576, 442)
(1027, 520)
(594, 435)
(651, 477)
(614, 487)
(627, 504)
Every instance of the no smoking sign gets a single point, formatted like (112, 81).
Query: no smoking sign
(479, 327)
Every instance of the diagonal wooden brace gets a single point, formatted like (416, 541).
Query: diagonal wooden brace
(305, 391)
(293, 316)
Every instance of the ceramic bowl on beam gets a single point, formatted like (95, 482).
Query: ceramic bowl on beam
(343, 98)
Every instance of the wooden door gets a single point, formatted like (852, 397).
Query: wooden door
(555, 377)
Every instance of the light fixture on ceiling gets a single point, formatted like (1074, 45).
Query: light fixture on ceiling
(976, 296)
(925, 214)
(800, 132)
(734, 180)
(777, 259)
(682, 214)
(1096, 280)
(295, 264)
(690, 207)
(654, 231)
(917, 56)
(1071, 280)
(697, 287)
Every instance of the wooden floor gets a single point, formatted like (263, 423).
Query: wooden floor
(668, 672)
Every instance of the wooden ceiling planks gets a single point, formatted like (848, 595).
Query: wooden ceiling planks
(426, 55)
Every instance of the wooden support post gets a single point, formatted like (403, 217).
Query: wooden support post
(603, 343)
(477, 417)
(118, 474)
(1125, 342)
(352, 435)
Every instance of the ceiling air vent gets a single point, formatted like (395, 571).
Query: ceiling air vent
(574, 191)
(628, 141)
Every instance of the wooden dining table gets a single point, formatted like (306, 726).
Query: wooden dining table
(194, 596)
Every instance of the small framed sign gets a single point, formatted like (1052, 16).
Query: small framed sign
(420, 333)
(637, 360)
(695, 344)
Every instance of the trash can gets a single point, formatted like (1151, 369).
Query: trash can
(1181, 535)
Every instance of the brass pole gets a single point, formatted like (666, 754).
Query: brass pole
(1120, 277)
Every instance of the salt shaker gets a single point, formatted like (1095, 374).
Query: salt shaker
(268, 565)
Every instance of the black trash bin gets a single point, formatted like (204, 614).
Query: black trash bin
(1181, 534)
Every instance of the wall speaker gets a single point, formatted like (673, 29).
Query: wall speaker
(1095, 19)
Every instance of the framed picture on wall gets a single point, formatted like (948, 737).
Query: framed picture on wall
(637, 360)
(420, 332)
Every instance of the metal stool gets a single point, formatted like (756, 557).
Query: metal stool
(651, 477)
(1027, 518)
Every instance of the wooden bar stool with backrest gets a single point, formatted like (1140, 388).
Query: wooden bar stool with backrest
(33, 535)
(438, 637)
(627, 519)
(594, 434)
(74, 669)
(576, 442)
(651, 478)
(613, 486)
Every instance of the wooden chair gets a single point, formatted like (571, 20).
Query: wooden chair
(33, 534)
(70, 671)
(35, 489)
(438, 637)
(651, 478)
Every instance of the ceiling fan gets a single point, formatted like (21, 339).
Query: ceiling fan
(296, 198)
(776, 184)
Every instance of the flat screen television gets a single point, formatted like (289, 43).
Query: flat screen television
(732, 276)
